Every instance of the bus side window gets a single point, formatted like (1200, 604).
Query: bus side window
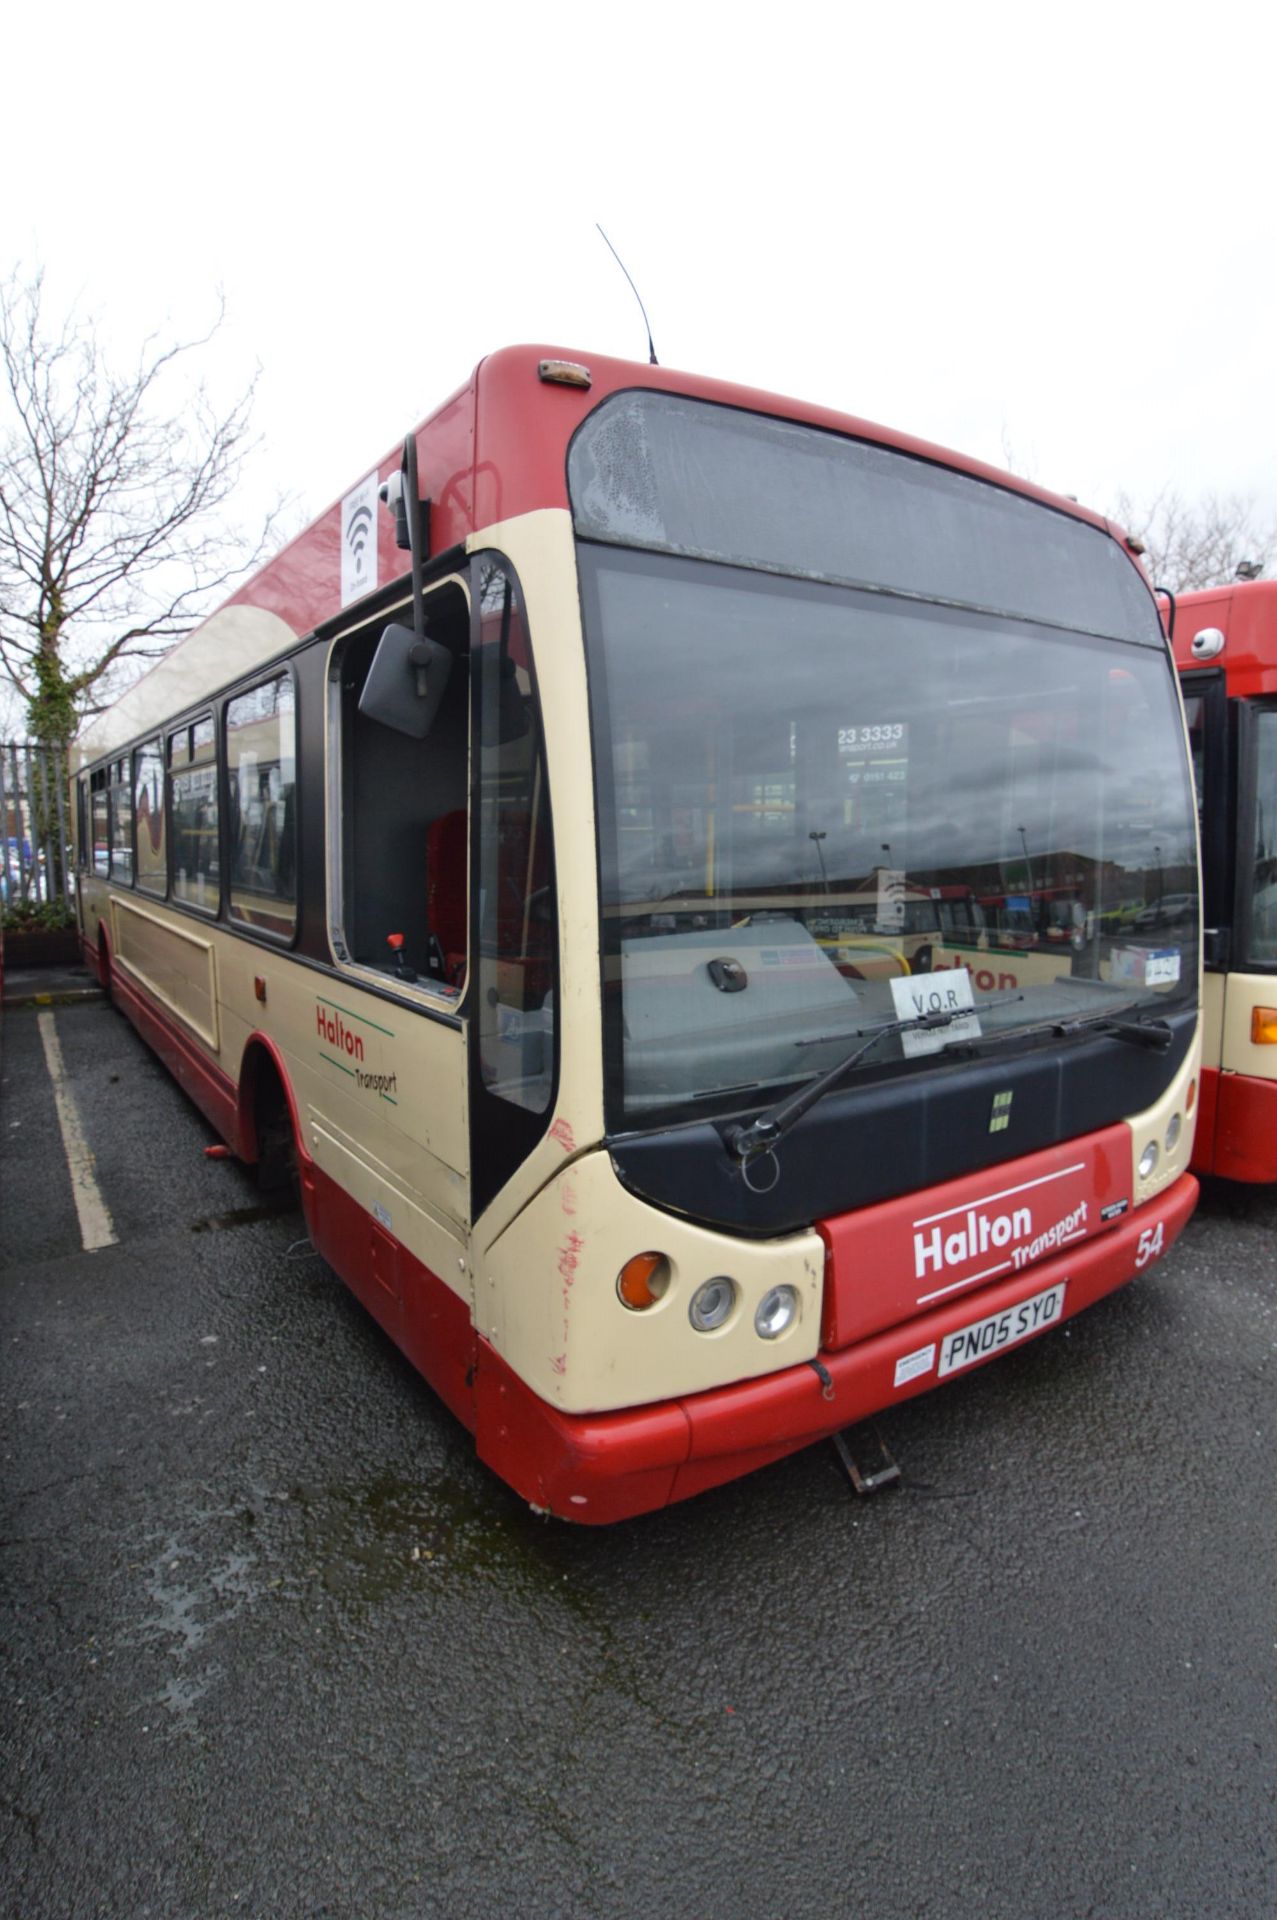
(515, 1008)
(261, 763)
(100, 821)
(148, 809)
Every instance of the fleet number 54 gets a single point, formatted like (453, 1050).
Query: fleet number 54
(1150, 1245)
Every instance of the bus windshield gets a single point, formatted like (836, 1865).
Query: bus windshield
(814, 797)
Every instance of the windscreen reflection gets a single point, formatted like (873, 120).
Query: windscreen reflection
(811, 796)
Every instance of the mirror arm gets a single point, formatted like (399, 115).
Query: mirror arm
(416, 516)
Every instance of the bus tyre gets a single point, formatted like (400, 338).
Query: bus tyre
(276, 1143)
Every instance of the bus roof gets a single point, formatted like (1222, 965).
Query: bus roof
(495, 449)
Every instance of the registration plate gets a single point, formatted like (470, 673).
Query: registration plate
(999, 1330)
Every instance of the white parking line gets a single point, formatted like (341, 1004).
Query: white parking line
(96, 1226)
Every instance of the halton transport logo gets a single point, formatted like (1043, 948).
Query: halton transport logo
(973, 1232)
(348, 1048)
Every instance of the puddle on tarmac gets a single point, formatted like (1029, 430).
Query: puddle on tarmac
(366, 1543)
(239, 1217)
(190, 1601)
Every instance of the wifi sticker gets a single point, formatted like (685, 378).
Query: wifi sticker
(359, 541)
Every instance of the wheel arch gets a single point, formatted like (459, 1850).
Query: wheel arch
(261, 1058)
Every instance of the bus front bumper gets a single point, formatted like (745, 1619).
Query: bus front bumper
(596, 1468)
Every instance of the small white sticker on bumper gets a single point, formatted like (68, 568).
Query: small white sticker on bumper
(915, 1363)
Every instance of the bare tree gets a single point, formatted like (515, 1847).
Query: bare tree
(1203, 543)
(113, 485)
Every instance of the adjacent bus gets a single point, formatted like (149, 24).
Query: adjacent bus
(565, 862)
(1226, 649)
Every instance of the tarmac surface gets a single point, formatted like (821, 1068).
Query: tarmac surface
(275, 1644)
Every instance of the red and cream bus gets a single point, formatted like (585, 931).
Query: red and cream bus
(525, 858)
(1226, 650)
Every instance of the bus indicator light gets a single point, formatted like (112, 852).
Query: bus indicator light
(643, 1281)
(1263, 1026)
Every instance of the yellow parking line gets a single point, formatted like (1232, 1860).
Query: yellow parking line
(96, 1226)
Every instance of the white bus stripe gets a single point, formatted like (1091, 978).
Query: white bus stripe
(957, 1285)
(987, 1199)
(96, 1226)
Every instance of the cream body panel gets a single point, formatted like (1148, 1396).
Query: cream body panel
(1213, 1018)
(173, 958)
(541, 548)
(546, 1297)
(1152, 1125)
(1238, 1052)
(374, 1079)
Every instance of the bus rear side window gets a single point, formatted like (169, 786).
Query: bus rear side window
(193, 796)
(148, 810)
(261, 761)
(100, 818)
(121, 822)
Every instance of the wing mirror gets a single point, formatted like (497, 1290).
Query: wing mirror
(406, 681)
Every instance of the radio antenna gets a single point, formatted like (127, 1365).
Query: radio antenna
(651, 350)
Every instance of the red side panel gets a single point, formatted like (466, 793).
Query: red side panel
(302, 584)
(890, 1262)
(425, 1318)
(1246, 1128)
(593, 1467)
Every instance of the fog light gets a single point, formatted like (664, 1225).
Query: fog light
(1173, 1133)
(1148, 1160)
(777, 1311)
(712, 1304)
(643, 1281)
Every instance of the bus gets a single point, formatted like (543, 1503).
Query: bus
(530, 864)
(1225, 642)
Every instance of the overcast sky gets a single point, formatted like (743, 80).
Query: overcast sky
(1042, 233)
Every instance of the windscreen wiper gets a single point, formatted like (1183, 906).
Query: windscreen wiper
(1155, 1034)
(768, 1128)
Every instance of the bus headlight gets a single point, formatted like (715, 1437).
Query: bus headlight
(1173, 1132)
(712, 1304)
(1148, 1160)
(777, 1312)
